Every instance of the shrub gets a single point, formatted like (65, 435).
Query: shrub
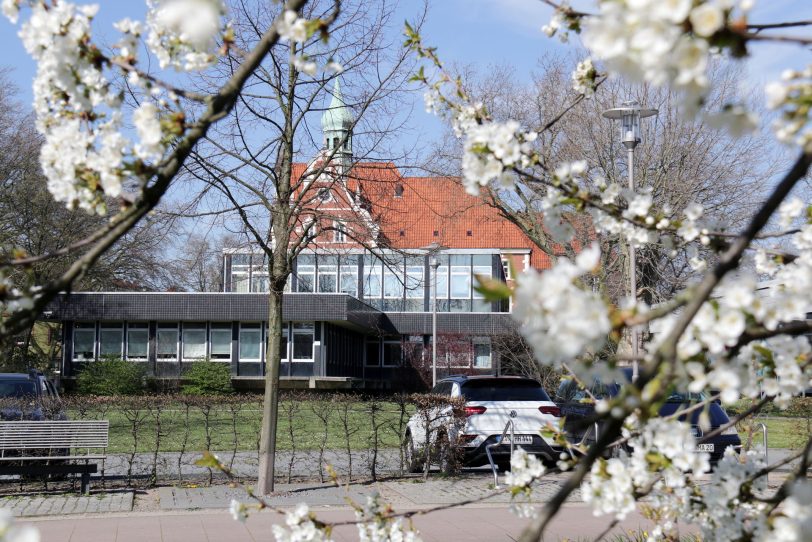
(110, 376)
(207, 378)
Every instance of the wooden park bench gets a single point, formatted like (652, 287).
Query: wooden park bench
(53, 447)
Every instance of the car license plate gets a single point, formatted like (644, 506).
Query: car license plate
(704, 447)
(519, 439)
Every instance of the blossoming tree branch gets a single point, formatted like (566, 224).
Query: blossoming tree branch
(88, 156)
(719, 333)
(718, 336)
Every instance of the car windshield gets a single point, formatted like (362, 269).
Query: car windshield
(17, 388)
(503, 390)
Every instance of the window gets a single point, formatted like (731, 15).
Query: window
(414, 279)
(168, 342)
(349, 275)
(250, 339)
(460, 277)
(328, 274)
(284, 353)
(306, 272)
(220, 337)
(392, 280)
(303, 341)
(392, 353)
(373, 274)
(259, 283)
(84, 341)
(481, 268)
(240, 269)
(339, 232)
(506, 267)
(194, 341)
(137, 341)
(482, 353)
(325, 194)
(457, 351)
(111, 340)
(373, 352)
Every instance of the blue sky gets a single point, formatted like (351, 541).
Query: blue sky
(481, 32)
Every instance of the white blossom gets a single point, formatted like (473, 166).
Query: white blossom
(558, 318)
(789, 210)
(9, 532)
(583, 78)
(707, 19)
(300, 527)
(11, 10)
(183, 32)
(238, 511)
(148, 126)
(524, 469)
(292, 27)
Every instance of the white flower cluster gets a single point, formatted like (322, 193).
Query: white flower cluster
(9, 532)
(82, 152)
(721, 512)
(792, 94)
(524, 469)
(238, 511)
(558, 25)
(583, 78)
(490, 149)
(292, 27)
(300, 527)
(11, 10)
(373, 527)
(663, 453)
(795, 520)
(558, 318)
(779, 366)
(646, 40)
(183, 33)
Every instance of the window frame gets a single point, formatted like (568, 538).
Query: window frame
(136, 326)
(167, 327)
(194, 326)
(249, 326)
(481, 341)
(311, 331)
(108, 326)
(84, 327)
(217, 328)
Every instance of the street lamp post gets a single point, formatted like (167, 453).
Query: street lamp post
(629, 115)
(434, 263)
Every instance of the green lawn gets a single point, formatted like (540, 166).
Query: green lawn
(225, 430)
(781, 432)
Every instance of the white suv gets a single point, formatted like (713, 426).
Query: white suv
(490, 402)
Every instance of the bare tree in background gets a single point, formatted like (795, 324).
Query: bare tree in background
(680, 162)
(248, 163)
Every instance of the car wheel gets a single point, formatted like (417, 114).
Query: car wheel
(410, 460)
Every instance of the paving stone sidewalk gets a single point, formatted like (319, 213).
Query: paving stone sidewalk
(408, 493)
(62, 505)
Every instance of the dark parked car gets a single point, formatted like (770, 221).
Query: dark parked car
(28, 396)
(578, 411)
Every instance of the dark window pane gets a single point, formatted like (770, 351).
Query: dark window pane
(508, 389)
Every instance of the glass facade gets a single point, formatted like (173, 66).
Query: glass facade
(389, 282)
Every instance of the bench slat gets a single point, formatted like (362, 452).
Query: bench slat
(50, 434)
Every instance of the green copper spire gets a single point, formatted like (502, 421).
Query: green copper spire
(337, 121)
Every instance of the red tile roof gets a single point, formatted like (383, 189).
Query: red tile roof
(410, 210)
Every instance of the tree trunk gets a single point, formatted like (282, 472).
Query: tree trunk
(270, 404)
